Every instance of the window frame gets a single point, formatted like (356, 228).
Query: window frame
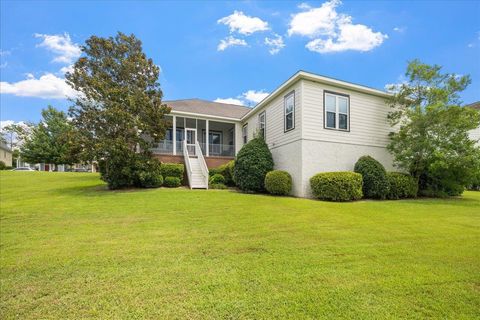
(337, 111)
(264, 114)
(285, 130)
(245, 136)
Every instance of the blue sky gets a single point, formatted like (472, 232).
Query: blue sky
(235, 51)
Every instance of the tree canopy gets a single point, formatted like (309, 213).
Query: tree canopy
(431, 137)
(52, 140)
(118, 111)
(119, 99)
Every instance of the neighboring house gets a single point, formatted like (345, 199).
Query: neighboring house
(311, 124)
(6, 154)
(475, 134)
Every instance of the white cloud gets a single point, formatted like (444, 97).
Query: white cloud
(246, 98)
(255, 96)
(230, 42)
(400, 29)
(66, 69)
(48, 86)
(275, 44)
(352, 37)
(61, 45)
(230, 101)
(395, 87)
(4, 123)
(3, 65)
(239, 22)
(332, 31)
(4, 52)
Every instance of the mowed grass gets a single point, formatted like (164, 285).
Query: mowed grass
(72, 249)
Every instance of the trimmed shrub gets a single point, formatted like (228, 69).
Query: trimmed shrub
(171, 182)
(253, 162)
(213, 171)
(337, 186)
(173, 170)
(375, 183)
(278, 182)
(216, 178)
(401, 186)
(226, 171)
(217, 186)
(3, 166)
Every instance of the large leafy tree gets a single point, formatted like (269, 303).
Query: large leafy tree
(119, 103)
(52, 140)
(431, 139)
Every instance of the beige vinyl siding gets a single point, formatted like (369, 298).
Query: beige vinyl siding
(274, 111)
(368, 117)
(475, 135)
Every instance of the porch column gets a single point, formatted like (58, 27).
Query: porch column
(174, 135)
(207, 135)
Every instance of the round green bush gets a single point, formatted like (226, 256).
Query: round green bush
(217, 186)
(173, 170)
(401, 186)
(216, 178)
(226, 170)
(278, 182)
(171, 182)
(253, 162)
(337, 186)
(3, 166)
(375, 183)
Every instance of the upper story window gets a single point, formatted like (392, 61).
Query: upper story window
(262, 124)
(245, 133)
(289, 105)
(337, 111)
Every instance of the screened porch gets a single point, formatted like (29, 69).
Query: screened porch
(215, 138)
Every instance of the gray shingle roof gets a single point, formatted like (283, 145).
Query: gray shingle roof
(475, 105)
(208, 108)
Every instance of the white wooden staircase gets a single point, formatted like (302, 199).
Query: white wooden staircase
(197, 170)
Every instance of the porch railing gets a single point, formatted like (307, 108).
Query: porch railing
(215, 150)
(187, 163)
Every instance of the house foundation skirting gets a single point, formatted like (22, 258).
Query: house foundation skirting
(212, 162)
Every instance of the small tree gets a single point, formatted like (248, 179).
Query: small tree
(51, 140)
(120, 103)
(252, 164)
(432, 142)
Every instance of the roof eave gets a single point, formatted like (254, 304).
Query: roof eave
(201, 115)
(317, 78)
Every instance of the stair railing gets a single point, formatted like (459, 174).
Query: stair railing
(203, 163)
(186, 157)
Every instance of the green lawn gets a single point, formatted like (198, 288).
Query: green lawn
(72, 249)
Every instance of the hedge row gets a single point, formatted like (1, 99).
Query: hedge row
(370, 180)
(173, 170)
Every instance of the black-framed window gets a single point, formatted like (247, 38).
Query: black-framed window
(337, 111)
(262, 118)
(289, 111)
(245, 133)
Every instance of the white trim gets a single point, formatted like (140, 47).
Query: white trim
(203, 116)
(174, 134)
(313, 77)
(245, 126)
(285, 98)
(337, 112)
(264, 114)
